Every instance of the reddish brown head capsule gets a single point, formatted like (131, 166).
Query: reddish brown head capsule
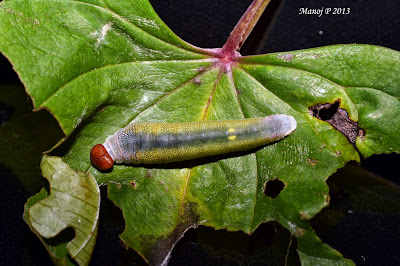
(100, 157)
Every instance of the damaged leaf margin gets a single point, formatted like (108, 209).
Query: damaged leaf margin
(365, 100)
(339, 119)
(73, 202)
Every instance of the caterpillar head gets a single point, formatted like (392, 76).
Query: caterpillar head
(100, 158)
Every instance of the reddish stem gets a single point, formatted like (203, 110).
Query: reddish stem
(243, 28)
(228, 54)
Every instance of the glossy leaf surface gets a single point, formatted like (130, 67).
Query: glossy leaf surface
(100, 65)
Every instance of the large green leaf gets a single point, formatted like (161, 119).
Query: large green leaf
(100, 65)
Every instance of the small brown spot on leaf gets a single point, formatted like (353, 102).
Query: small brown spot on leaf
(273, 188)
(327, 198)
(299, 232)
(338, 118)
(132, 183)
(162, 183)
(312, 162)
(148, 174)
(304, 216)
(123, 244)
(209, 100)
(197, 81)
(361, 133)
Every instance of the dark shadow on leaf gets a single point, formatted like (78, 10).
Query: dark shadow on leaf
(24, 136)
(362, 218)
(63, 149)
(64, 236)
(109, 248)
(159, 252)
(269, 243)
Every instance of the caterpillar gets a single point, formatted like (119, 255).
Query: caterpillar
(157, 143)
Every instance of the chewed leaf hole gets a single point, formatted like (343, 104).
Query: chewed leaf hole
(65, 235)
(273, 188)
(325, 112)
(338, 118)
(132, 183)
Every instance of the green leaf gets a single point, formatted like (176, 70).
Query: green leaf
(73, 201)
(312, 251)
(364, 77)
(75, 39)
(100, 65)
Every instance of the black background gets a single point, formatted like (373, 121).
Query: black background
(369, 238)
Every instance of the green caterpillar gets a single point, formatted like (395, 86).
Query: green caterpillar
(156, 143)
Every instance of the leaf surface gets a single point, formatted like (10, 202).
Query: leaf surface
(100, 65)
(73, 202)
